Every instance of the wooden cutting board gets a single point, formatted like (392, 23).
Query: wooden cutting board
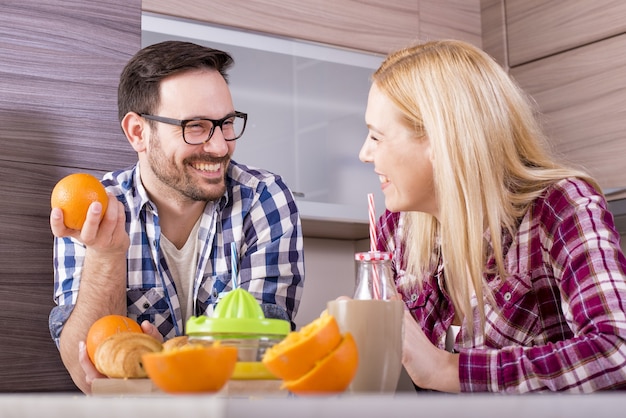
(145, 387)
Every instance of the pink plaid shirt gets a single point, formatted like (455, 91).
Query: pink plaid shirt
(560, 322)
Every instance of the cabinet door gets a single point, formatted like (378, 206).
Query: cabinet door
(538, 28)
(306, 106)
(581, 94)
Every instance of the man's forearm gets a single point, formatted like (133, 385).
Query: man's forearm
(102, 292)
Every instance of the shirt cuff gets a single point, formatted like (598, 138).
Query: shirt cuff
(56, 321)
(477, 369)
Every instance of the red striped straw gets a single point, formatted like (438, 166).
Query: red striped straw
(372, 216)
(372, 219)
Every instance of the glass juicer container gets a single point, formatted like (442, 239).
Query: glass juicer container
(239, 321)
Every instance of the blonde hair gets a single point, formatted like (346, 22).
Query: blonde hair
(490, 161)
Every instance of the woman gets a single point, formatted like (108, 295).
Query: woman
(490, 233)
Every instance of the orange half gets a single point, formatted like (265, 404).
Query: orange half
(192, 368)
(299, 351)
(333, 374)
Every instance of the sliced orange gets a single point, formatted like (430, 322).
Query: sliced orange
(299, 351)
(192, 368)
(332, 374)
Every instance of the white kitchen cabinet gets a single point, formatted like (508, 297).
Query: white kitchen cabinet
(306, 105)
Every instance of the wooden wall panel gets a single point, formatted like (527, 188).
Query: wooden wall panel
(59, 82)
(378, 26)
(58, 85)
(455, 19)
(581, 94)
(494, 30)
(29, 360)
(374, 25)
(538, 28)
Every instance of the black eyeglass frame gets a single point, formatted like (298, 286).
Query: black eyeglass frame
(215, 122)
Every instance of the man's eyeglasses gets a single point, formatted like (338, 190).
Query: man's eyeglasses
(200, 130)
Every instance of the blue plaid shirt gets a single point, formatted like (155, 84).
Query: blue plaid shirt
(257, 212)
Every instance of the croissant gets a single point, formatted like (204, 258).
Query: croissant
(175, 342)
(119, 356)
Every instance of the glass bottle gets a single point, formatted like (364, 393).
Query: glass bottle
(374, 276)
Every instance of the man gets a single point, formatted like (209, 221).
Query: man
(162, 251)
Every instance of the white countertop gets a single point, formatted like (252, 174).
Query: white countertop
(401, 405)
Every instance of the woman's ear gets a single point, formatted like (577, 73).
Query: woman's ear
(430, 151)
(136, 129)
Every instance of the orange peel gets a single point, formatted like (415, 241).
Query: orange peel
(300, 351)
(192, 368)
(333, 374)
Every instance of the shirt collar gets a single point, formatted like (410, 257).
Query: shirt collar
(141, 201)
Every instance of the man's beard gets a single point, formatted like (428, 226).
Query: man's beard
(177, 178)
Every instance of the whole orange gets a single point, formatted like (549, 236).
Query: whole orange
(192, 368)
(298, 353)
(74, 193)
(106, 326)
(332, 374)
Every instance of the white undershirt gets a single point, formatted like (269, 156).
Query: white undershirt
(182, 266)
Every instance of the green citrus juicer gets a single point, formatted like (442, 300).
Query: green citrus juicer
(239, 320)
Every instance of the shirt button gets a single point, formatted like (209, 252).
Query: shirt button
(215, 293)
(507, 296)
(413, 297)
(146, 305)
